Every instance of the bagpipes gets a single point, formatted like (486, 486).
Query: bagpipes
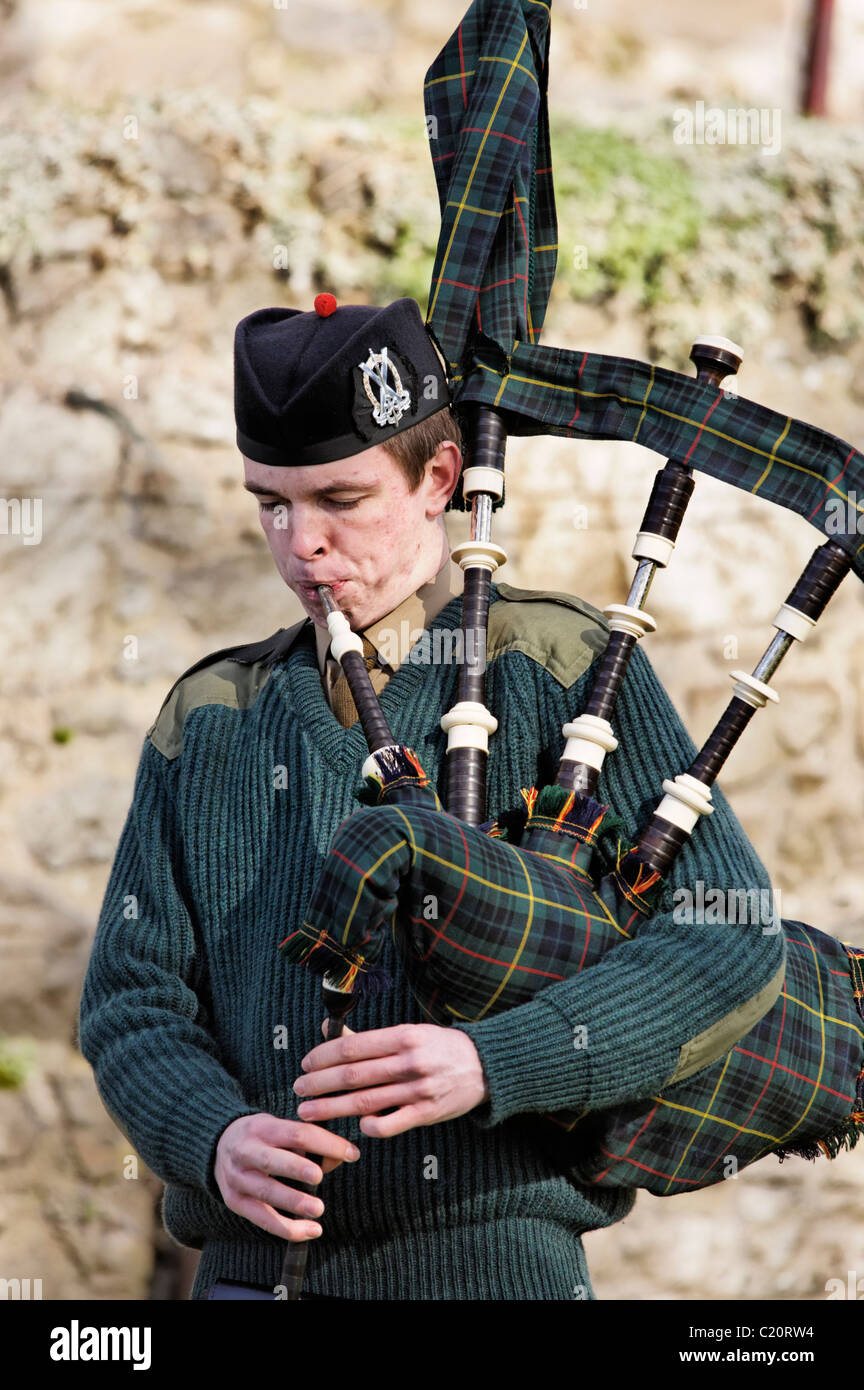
(550, 888)
(523, 905)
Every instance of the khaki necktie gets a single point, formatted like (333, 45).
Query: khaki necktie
(341, 701)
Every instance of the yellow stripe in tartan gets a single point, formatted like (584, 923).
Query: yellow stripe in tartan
(772, 459)
(716, 1119)
(552, 247)
(513, 65)
(526, 933)
(515, 892)
(645, 404)
(449, 77)
(683, 419)
(828, 1018)
(360, 885)
(821, 1014)
(484, 212)
(706, 1116)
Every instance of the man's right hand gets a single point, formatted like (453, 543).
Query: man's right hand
(254, 1147)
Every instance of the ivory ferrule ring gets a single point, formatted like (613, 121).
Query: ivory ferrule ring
(589, 739)
(685, 801)
(794, 622)
(623, 618)
(752, 691)
(342, 637)
(468, 725)
(484, 553)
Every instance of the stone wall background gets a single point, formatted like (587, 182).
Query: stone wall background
(166, 168)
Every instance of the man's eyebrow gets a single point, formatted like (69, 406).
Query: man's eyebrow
(348, 486)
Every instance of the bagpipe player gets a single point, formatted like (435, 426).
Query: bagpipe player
(206, 1050)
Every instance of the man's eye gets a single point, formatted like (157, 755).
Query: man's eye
(342, 506)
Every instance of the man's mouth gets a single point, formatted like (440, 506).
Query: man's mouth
(311, 590)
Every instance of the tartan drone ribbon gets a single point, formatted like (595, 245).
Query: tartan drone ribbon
(486, 108)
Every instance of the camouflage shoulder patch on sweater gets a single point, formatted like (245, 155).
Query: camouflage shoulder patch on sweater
(559, 631)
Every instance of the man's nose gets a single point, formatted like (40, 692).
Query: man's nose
(307, 532)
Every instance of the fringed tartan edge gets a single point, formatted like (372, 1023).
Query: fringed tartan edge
(399, 767)
(848, 1132)
(565, 812)
(844, 1136)
(557, 809)
(643, 888)
(347, 971)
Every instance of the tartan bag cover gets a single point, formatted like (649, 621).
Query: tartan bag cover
(485, 96)
(482, 924)
(793, 1084)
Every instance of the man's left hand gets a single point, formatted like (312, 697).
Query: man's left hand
(429, 1073)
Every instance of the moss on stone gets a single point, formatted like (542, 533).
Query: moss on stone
(16, 1060)
(623, 213)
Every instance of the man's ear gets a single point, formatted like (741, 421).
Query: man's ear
(443, 468)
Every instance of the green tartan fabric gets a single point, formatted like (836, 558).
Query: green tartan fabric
(485, 98)
(793, 1084)
(587, 395)
(482, 924)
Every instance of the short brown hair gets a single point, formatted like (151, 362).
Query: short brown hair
(412, 448)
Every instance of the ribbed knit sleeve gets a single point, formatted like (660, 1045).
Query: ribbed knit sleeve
(141, 1023)
(614, 1032)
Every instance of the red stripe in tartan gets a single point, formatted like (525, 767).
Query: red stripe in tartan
(477, 955)
(799, 1076)
(480, 289)
(636, 1136)
(502, 135)
(575, 416)
(528, 327)
(757, 1102)
(833, 483)
(698, 434)
(337, 854)
(465, 871)
(462, 68)
(644, 1168)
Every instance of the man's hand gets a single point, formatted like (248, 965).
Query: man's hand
(256, 1146)
(429, 1073)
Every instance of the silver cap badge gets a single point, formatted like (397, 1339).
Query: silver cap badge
(392, 400)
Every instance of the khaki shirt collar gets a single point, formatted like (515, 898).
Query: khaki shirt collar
(395, 634)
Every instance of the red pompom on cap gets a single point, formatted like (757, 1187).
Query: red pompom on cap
(325, 305)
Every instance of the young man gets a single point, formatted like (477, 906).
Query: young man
(207, 1049)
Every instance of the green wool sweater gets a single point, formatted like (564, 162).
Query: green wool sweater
(242, 781)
